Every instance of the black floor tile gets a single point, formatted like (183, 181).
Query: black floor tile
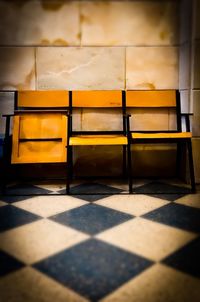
(93, 268)
(163, 190)
(177, 215)
(22, 192)
(8, 264)
(92, 191)
(11, 217)
(91, 218)
(187, 259)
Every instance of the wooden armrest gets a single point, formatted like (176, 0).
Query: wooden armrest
(6, 115)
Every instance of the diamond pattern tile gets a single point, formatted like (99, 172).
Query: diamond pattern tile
(99, 245)
(11, 217)
(180, 216)
(186, 259)
(22, 192)
(132, 204)
(8, 264)
(163, 190)
(46, 206)
(35, 241)
(92, 191)
(91, 218)
(147, 238)
(93, 268)
(29, 285)
(158, 283)
(192, 200)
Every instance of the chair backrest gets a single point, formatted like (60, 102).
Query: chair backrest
(151, 99)
(39, 128)
(156, 99)
(100, 103)
(42, 99)
(97, 99)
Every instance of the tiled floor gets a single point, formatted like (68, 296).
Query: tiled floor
(100, 244)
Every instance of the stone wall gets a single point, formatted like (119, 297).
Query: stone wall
(60, 44)
(195, 86)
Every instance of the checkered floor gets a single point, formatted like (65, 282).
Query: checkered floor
(99, 244)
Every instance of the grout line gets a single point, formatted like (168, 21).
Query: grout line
(125, 68)
(80, 23)
(36, 76)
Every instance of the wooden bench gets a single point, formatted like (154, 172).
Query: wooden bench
(169, 99)
(43, 132)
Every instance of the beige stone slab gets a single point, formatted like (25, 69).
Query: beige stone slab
(132, 204)
(29, 285)
(6, 107)
(197, 19)
(196, 113)
(77, 119)
(129, 23)
(172, 120)
(158, 283)
(185, 66)
(101, 120)
(196, 65)
(33, 242)
(97, 160)
(185, 100)
(40, 23)
(154, 160)
(196, 155)
(152, 68)
(139, 236)
(80, 68)
(46, 206)
(186, 12)
(17, 68)
(148, 119)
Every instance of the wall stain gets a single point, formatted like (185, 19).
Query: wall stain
(85, 19)
(147, 85)
(53, 5)
(54, 42)
(79, 36)
(164, 35)
(17, 3)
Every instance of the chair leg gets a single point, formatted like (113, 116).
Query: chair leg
(6, 165)
(129, 168)
(191, 166)
(178, 159)
(69, 169)
(124, 162)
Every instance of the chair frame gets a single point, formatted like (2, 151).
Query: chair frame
(125, 132)
(179, 141)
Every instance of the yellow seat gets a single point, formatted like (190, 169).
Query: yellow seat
(39, 138)
(88, 140)
(161, 135)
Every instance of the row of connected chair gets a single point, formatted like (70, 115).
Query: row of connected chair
(43, 129)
